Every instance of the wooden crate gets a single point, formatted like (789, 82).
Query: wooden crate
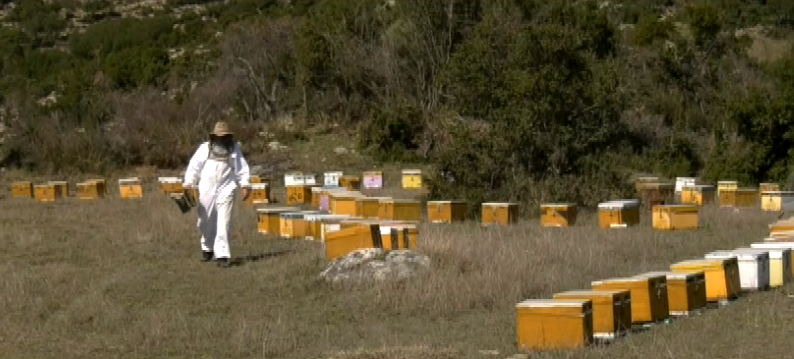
(102, 185)
(269, 219)
(315, 221)
(781, 244)
(130, 188)
(777, 201)
(373, 180)
(22, 189)
(345, 240)
(611, 310)
(89, 191)
(299, 194)
(779, 265)
(170, 185)
(344, 202)
(619, 214)
(61, 188)
(292, 225)
(649, 302)
(260, 194)
(676, 217)
(768, 187)
(496, 213)
(352, 183)
(412, 179)
(331, 179)
(726, 185)
(45, 193)
(558, 214)
(400, 209)
(446, 211)
(548, 324)
(753, 267)
(655, 193)
(698, 194)
(398, 236)
(686, 292)
(368, 207)
(722, 276)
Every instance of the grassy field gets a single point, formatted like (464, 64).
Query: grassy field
(122, 279)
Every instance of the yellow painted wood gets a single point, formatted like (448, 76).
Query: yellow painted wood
(722, 276)
(22, 189)
(130, 188)
(548, 324)
(558, 214)
(499, 213)
(649, 301)
(446, 211)
(676, 217)
(412, 179)
(611, 310)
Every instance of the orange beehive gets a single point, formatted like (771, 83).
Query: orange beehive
(22, 189)
(499, 213)
(368, 207)
(299, 194)
(611, 310)
(400, 209)
(722, 276)
(45, 193)
(170, 185)
(649, 302)
(260, 194)
(398, 236)
(686, 292)
(344, 202)
(619, 214)
(698, 194)
(130, 188)
(558, 214)
(269, 219)
(446, 211)
(345, 240)
(548, 324)
(89, 191)
(101, 184)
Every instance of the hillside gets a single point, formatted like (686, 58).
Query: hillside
(522, 100)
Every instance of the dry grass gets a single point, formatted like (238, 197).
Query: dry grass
(122, 279)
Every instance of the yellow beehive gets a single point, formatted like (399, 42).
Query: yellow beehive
(698, 194)
(355, 221)
(368, 207)
(777, 201)
(130, 188)
(494, 213)
(686, 292)
(350, 182)
(619, 214)
(299, 194)
(726, 185)
(768, 187)
(170, 185)
(373, 180)
(558, 214)
(412, 179)
(254, 179)
(746, 197)
(779, 264)
(316, 195)
(344, 202)
(611, 310)
(292, 225)
(675, 216)
(260, 194)
(548, 324)
(398, 236)
(446, 211)
(22, 189)
(331, 179)
(102, 185)
(655, 193)
(722, 276)
(315, 221)
(45, 193)
(61, 188)
(400, 209)
(640, 183)
(345, 240)
(269, 219)
(782, 228)
(89, 191)
(649, 302)
(783, 243)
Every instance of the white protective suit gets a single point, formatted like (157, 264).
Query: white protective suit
(217, 178)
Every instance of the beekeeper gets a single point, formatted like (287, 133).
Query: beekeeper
(218, 168)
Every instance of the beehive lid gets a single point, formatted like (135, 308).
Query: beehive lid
(727, 182)
(669, 275)
(373, 199)
(372, 173)
(759, 252)
(292, 215)
(558, 205)
(57, 182)
(499, 204)
(276, 209)
(773, 245)
(606, 293)
(704, 263)
(617, 205)
(333, 173)
(259, 185)
(551, 303)
(168, 179)
(747, 189)
(699, 187)
(739, 254)
(326, 217)
(22, 182)
(347, 195)
(779, 193)
(43, 185)
(618, 280)
(411, 172)
(445, 202)
(774, 253)
(131, 180)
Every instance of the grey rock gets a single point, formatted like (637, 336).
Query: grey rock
(375, 265)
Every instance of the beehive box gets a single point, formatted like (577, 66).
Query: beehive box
(655, 193)
(331, 179)
(558, 214)
(675, 217)
(686, 292)
(352, 183)
(368, 207)
(102, 185)
(269, 219)
(768, 187)
(22, 189)
(496, 213)
(170, 185)
(260, 194)
(299, 194)
(649, 302)
(344, 202)
(548, 324)
(779, 265)
(446, 211)
(753, 267)
(345, 240)
(618, 214)
(292, 225)
(698, 194)
(400, 209)
(640, 182)
(412, 179)
(611, 310)
(373, 180)
(89, 191)
(130, 188)
(256, 179)
(722, 276)
(61, 188)
(293, 179)
(45, 193)
(746, 197)
(325, 197)
(316, 195)
(779, 244)
(782, 228)
(777, 201)
(726, 185)
(315, 221)
(398, 236)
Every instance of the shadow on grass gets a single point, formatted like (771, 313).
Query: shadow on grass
(242, 260)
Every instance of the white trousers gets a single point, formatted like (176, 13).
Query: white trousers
(215, 226)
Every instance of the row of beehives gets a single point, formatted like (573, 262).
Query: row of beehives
(725, 193)
(91, 189)
(615, 306)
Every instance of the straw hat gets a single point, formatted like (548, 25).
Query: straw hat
(221, 129)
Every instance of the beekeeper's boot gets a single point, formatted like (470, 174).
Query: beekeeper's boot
(206, 256)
